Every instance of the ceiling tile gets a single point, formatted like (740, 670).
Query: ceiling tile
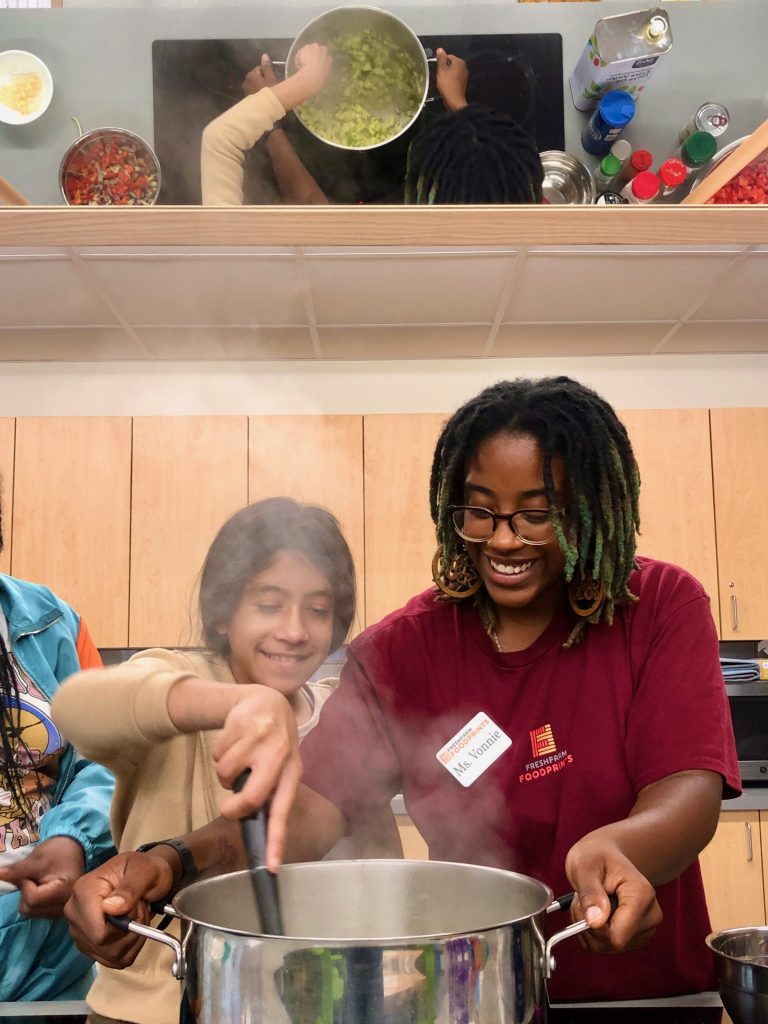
(742, 294)
(402, 342)
(724, 336)
(426, 289)
(227, 291)
(67, 344)
(577, 339)
(602, 287)
(46, 293)
(206, 343)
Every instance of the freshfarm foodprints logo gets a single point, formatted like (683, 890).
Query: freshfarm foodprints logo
(547, 759)
(543, 741)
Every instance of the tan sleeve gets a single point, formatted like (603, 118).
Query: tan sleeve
(115, 714)
(225, 142)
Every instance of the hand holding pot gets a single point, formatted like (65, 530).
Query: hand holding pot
(314, 64)
(123, 885)
(596, 867)
(451, 81)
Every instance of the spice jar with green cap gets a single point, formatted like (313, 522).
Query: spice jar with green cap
(607, 170)
(697, 150)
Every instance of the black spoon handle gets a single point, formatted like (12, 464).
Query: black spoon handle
(254, 831)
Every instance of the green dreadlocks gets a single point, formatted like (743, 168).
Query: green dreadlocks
(571, 421)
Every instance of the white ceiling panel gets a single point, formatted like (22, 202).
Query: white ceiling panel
(742, 294)
(725, 336)
(403, 342)
(162, 291)
(578, 339)
(417, 290)
(67, 344)
(47, 293)
(242, 343)
(601, 287)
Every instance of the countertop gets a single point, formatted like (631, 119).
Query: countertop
(101, 64)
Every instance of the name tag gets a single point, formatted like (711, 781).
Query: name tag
(473, 749)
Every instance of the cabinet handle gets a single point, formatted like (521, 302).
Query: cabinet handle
(749, 842)
(734, 613)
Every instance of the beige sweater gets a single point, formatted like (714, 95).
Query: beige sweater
(225, 142)
(166, 785)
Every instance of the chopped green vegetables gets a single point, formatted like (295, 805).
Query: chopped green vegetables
(375, 89)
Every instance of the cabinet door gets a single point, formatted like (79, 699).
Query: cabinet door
(317, 459)
(739, 443)
(677, 516)
(732, 868)
(399, 534)
(71, 508)
(7, 442)
(189, 474)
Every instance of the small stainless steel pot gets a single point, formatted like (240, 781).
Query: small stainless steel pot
(369, 942)
(102, 135)
(741, 963)
(325, 27)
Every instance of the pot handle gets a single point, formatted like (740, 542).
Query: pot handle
(127, 924)
(563, 903)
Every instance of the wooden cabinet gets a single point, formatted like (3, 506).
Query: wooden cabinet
(316, 459)
(677, 520)
(189, 474)
(739, 443)
(71, 509)
(732, 867)
(399, 534)
(7, 443)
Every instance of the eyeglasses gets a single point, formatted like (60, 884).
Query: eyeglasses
(531, 525)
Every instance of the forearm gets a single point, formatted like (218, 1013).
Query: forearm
(197, 704)
(294, 181)
(670, 824)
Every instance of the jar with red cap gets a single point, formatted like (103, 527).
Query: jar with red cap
(673, 173)
(641, 160)
(643, 188)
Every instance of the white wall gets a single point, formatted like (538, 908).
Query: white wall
(102, 389)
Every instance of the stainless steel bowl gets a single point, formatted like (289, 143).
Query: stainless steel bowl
(103, 135)
(566, 179)
(741, 963)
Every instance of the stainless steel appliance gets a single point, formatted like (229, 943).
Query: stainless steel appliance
(749, 712)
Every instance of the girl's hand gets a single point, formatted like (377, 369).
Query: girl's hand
(451, 81)
(314, 64)
(260, 734)
(596, 868)
(45, 878)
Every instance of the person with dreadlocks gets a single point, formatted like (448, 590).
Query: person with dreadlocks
(553, 706)
(54, 805)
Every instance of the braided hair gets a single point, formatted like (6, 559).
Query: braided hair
(569, 420)
(11, 736)
(473, 155)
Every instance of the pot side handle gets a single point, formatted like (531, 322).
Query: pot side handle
(563, 903)
(127, 924)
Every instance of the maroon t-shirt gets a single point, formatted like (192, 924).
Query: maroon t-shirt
(590, 726)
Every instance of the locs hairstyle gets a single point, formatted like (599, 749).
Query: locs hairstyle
(248, 543)
(571, 421)
(11, 734)
(473, 155)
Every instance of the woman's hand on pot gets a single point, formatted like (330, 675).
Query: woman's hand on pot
(260, 734)
(596, 868)
(261, 77)
(451, 81)
(125, 885)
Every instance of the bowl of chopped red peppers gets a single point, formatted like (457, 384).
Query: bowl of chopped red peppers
(750, 185)
(109, 167)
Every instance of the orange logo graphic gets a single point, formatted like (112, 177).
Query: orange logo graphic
(542, 741)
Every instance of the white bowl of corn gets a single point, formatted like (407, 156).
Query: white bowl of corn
(26, 87)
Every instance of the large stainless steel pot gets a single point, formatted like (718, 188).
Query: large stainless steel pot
(329, 25)
(741, 962)
(368, 942)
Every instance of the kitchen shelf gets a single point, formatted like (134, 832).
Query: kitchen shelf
(384, 225)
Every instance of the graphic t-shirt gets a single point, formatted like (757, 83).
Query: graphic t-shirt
(38, 751)
(554, 743)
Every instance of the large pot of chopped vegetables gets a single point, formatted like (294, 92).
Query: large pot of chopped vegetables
(378, 83)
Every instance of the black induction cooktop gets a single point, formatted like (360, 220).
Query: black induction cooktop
(196, 80)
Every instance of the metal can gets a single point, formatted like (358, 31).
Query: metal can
(710, 117)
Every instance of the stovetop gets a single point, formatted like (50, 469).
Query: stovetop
(195, 80)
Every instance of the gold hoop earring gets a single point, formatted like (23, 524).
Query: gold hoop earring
(586, 596)
(459, 579)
